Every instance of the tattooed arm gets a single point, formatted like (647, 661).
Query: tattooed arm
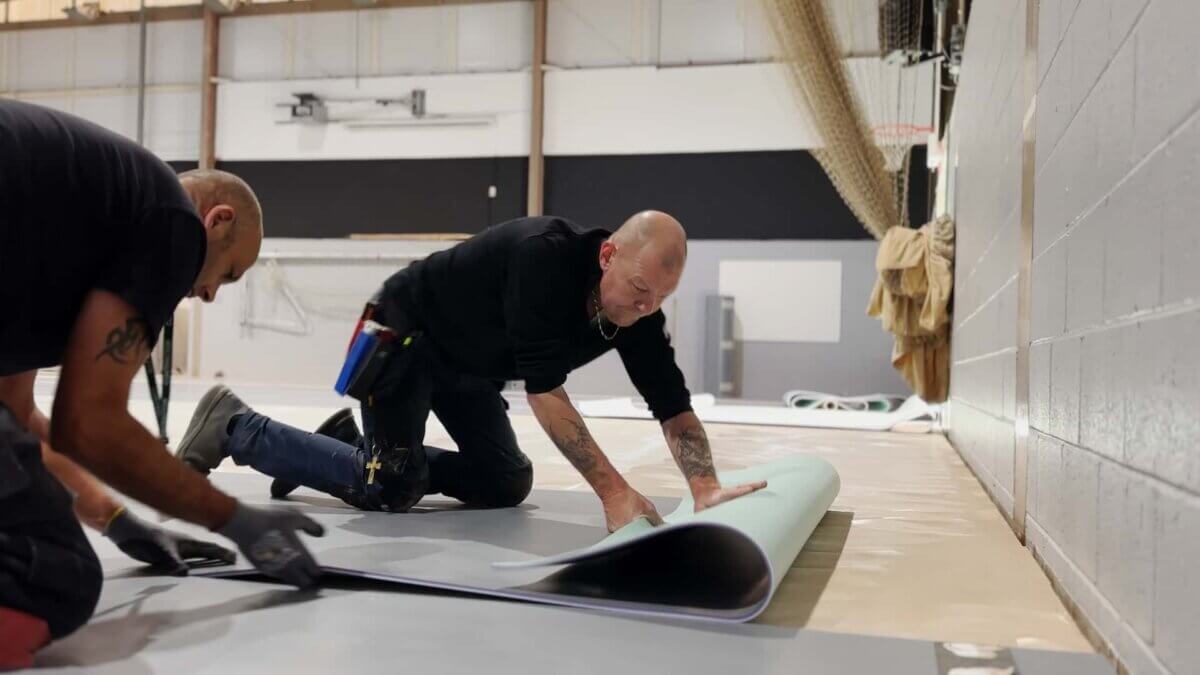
(689, 444)
(560, 420)
(91, 424)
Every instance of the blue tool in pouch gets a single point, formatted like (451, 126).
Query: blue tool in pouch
(369, 353)
(364, 344)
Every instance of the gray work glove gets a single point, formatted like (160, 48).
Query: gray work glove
(162, 549)
(267, 537)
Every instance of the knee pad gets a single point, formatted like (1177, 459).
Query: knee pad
(403, 478)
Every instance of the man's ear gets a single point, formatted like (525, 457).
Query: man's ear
(219, 219)
(607, 249)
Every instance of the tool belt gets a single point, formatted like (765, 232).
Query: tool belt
(374, 348)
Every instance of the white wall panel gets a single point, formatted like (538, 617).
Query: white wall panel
(173, 124)
(581, 33)
(44, 59)
(494, 37)
(784, 300)
(332, 293)
(588, 34)
(174, 52)
(113, 111)
(410, 40)
(721, 108)
(105, 56)
(703, 31)
(55, 101)
(172, 116)
(5, 59)
(324, 44)
(647, 109)
(256, 47)
(247, 116)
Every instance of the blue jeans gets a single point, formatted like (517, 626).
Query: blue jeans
(300, 457)
(488, 469)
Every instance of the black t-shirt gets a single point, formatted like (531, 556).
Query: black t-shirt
(83, 208)
(511, 304)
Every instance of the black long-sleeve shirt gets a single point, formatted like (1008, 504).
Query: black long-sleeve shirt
(511, 304)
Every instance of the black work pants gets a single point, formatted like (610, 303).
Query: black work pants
(47, 567)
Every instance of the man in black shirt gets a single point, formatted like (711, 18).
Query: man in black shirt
(530, 299)
(99, 240)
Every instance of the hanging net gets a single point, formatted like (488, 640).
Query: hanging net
(863, 110)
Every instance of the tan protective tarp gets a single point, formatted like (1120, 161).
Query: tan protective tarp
(911, 298)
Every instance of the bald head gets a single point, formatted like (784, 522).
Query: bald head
(642, 263)
(211, 187)
(654, 235)
(233, 224)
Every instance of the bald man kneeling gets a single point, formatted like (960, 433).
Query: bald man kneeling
(531, 299)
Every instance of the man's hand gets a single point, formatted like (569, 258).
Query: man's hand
(268, 539)
(626, 506)
(162, 549)
(708, 497)
(689, 444)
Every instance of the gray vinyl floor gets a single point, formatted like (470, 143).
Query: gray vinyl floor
(150, 624)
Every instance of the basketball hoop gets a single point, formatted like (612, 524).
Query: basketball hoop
(896, 139)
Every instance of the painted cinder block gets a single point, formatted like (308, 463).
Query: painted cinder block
(1181, 216)
(1039, 386)
(1104, 381)
(1177, 394)
(1050, 485)
(1049, 22)
(1048, 293)
(1081, 488)
(1133, 242)
(1064, 390)
(1163, 431)
(1126, 544)
(1053, 103)
(1168, 82)
(1176, 593)
(1085, 272)
(1003, 449)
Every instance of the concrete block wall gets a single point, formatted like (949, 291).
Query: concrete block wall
(1114, 450)
(986, 147)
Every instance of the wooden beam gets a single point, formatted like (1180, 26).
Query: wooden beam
(186, 12)
(537, 112)
(153, 14)
(312, 6)
(208, 90)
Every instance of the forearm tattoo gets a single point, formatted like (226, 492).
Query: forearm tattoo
(579, 447)
(125, 342)
(693, 454)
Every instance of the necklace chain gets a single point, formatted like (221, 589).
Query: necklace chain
(600, 316)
